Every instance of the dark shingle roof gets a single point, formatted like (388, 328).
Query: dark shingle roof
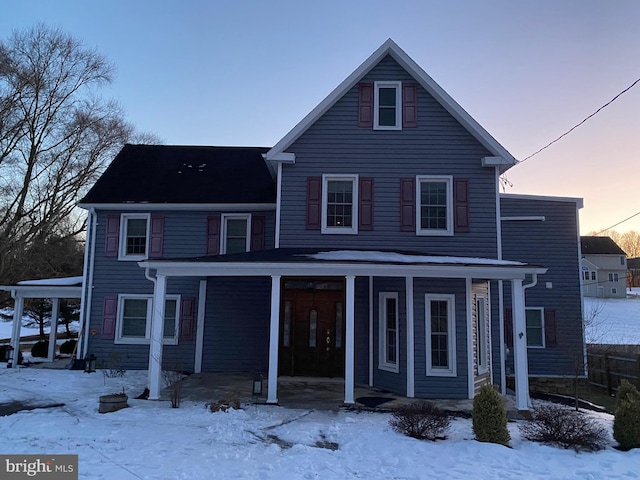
(185, 174)
(600, 246)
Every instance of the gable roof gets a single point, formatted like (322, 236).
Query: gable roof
(173, 174)
(391, 48)
(600, 246)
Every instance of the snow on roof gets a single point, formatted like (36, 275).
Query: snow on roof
(53, 282)
(393, 257)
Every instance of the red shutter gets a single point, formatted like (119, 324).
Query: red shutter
(213, 235)
(109, 318)
(314, 202)
(111, 236)
(408, 204)
(156, 239)
(508, 327)
(187, 318)
(365, 211)
(461, 205)
(409, 105)
(257, 233)
(550, 339)
(365, 105)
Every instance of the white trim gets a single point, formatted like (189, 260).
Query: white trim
(451, 370)
(371, 351)
(524, 218)
(376, 105)
(353, 230)
(521, 362)
(383, 363)
(53, 330)
(481, 333)
(541, 310)
(278, 204)
(120, 340)
(282, 157)
(494, 162)
(156, 343)
(89, 286)
(223, 230)
(411, 359)
(202, 300)
(150, 207)
(490, 327)
(503, 345)
(547, 198)
(389, 47)
(469, 321)
(274, 340)
(498, 215)
(123, 234)
(349, 340)
(448, 180)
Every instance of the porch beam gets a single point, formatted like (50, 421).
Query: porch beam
(18, 309)
(53, 333)
(411, 374)
(520, 346)
(157, 327)
(274, 337)
(349, 360)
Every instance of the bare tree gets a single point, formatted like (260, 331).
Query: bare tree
(56, 136)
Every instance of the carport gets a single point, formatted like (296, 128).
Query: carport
(52, 288)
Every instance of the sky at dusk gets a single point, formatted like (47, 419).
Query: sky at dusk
(246, 72)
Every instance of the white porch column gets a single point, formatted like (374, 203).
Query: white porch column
(411, 374)
(469, 321)
(349, 359)
(202, 298)
(274, 340)
(18, 309)
(157, 327)
(520, 345)
(53, 334)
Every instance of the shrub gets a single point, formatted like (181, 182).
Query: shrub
(489, 417)
(225, 404)
(564, 427)
(626, 423)
(421, 420)
(68, 347)
(40, 349)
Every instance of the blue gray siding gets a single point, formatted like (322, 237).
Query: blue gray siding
(362, 331)
(438, 146)
(552, 243)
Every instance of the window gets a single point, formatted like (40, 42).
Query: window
(535, 327)
(481, 334)
(339, 204)
(435, 212)
(593, 275)
(134, 236)
(387, 110)
(313, 328)
(235, 234)
(389, 335)
(622, 262)
(614, 291)
(134, 319)
(441, 336)
(613, 277)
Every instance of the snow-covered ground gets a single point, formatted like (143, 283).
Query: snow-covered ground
(150, 440)
(613, 320)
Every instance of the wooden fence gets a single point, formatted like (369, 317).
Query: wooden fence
(610, 364)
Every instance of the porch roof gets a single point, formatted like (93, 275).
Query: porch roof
(68, 287)
(323, 261)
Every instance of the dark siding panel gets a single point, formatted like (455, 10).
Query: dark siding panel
(362, 331)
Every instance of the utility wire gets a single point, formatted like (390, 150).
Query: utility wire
(583, 121)
(622, 221)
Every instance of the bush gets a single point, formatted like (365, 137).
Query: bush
(564, 427)
(40, 349)
(421, 420)
(489, 417)
(626, 423)
(68, 347)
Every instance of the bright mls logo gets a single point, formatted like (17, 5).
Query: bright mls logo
(50, 467)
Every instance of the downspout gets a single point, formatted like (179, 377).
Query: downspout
(87, 281)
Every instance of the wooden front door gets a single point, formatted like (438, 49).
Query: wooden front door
(312, 330)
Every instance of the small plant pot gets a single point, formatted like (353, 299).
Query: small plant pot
(113, 402)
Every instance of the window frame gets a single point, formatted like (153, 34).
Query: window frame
(376, 105)
(383, 362)
(452, 369)
(122, 241)
(223, 230)
(542, 331)
(481, 333)
(448, 180)
(120, 339)
(354, 179)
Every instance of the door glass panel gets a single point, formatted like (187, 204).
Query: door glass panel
(339, 322)
(286, 329)
(313, 328)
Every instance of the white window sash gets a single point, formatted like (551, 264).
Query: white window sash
(383, 363)
(451, 370)
(120, 339)
(376, 105)
(541, 310)
(353, 229)
(122, 241)
(448, 180)
(223, 236)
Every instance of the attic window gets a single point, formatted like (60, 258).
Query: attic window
(387, 112)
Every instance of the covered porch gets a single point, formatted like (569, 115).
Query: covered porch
(296, 263)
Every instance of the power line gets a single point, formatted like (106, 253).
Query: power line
(622, 221)
(583, 121)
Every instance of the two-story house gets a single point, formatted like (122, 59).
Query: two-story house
(371, 243)
(603, 268)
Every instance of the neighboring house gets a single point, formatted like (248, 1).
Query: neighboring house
(633, 272)
(370, 243)
(604, 268)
